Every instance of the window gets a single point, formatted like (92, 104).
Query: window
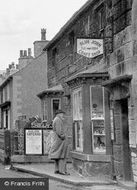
(71, 38)
(55, 105)
(77, 105)
(77, 119)
(98, 119)
(6, 118)
(100, 16)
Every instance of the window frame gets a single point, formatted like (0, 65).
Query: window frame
(52, 99)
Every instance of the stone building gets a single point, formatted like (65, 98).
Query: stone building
(92, 76)
(20, 85)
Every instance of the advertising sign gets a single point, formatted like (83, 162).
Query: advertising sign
(33, 141)
(89, 47)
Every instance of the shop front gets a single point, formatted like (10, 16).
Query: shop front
(92, 147)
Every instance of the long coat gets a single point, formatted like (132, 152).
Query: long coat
(59, 148)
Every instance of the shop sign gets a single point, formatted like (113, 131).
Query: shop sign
(89, 47)
(33, 141)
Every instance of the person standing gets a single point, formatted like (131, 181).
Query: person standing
(59, 147)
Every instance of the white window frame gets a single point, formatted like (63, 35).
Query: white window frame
(77, 117)
(91, 103)
(97, 118)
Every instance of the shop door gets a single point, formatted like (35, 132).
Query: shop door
(121, 151)
(125, 134)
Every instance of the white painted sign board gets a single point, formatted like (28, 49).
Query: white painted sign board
(33, 141)
(89, 47)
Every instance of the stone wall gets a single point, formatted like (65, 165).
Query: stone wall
(120, 53)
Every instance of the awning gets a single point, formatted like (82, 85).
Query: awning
(88, 74)
(119, 87)
(53, 90)
(117, 81)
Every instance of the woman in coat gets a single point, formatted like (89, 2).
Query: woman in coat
(59, 147)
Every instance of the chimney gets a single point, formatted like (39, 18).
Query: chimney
(17, 66)
(21, 53)
(29, 52)
(7, 71)
(25, 53)
(43, 34)
(12, 65)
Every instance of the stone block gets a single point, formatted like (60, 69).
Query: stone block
(128, 50)
(132, 139)
(108, 31)
(96, 169)
(119, 24)
(118, 169)
(128, 66)
(132, 126)
(135, 47)
(118, 137)
(120, 55)
(135, 177)
(113, 58)
(128, 18)
(123, 37)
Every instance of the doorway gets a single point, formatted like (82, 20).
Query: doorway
(127, 171)
(121, 150)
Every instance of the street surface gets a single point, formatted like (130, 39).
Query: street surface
(5, 172)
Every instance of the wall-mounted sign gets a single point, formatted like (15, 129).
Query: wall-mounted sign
(89, 47)
(33, 141)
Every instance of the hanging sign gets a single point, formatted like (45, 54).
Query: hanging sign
(89, 47)
(33, 141)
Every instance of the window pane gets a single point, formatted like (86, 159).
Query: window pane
(96, 102)
(77, 105)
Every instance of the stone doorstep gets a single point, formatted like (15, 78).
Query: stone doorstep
(129, 185)
(68, 179)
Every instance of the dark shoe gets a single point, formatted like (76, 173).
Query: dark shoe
(56, 172)
(62, 173)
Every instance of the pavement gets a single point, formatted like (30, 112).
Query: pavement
(46, 170)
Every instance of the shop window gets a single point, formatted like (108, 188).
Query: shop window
(98, 119)
(55, 105)
(77, 119)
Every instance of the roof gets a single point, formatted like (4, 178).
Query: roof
(6, 80)
(54, 89)
(70, 22)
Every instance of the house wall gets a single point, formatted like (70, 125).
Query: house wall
(28, 82)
